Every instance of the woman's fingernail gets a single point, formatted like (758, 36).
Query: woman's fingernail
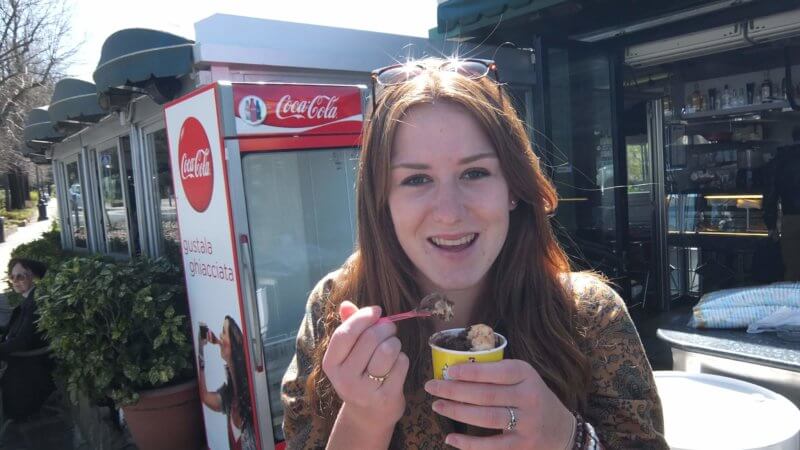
(430, 386)
(436, 406)
(451, 373)
(450, 440)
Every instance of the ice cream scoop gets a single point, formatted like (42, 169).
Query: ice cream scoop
(434, 305)
(474, 338)
(481, 337)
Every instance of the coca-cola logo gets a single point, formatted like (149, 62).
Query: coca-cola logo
(196, 164)
(319, 107)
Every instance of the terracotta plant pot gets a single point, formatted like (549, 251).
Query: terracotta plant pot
(167, 419)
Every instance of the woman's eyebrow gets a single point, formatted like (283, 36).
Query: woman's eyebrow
(474, 158)
(467, 160)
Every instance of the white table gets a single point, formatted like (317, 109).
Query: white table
(703, 411)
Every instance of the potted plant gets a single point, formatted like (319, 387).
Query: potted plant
(120, 331)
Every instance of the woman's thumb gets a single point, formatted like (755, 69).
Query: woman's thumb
(347, 309)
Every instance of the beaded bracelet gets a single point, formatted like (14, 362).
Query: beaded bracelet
(585, 435)
(579, 432)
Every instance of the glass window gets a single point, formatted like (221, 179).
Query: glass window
(301, 210)
(519, 100)
(638, 166)
(582, 152)
(114, 213)
(162, 179)
(130, 201)
(76, 212)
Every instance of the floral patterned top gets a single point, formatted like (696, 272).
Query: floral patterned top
(623, 404)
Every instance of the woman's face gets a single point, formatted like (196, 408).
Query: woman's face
(449, 200)
(21, 279)
(225, 342)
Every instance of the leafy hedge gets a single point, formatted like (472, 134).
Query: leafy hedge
(46, 249)
(116, 328)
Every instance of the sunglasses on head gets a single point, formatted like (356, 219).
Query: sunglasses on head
(20, 276)
(404, 72)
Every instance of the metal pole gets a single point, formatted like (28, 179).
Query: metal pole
(656, 141)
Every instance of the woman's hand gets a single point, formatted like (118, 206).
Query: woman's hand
(366, 367)
(481, 394)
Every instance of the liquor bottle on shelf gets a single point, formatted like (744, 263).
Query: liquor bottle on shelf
(697, 99)
(766, 88)
(726, 97)
(751, 87)
(712, 98)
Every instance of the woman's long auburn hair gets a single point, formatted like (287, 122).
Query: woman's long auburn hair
(526, 294)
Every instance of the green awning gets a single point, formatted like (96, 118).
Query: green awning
(75, 101)
(136, 57)
(39, 159)
(497, 21)
(39, 131)
(476, 18)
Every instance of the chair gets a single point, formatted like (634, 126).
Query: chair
(42, 351)
(3, 422)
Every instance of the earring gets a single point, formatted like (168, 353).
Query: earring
(513, 203)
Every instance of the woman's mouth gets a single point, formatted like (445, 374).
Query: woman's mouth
(454, 245)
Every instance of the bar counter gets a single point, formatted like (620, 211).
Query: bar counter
(764, 358)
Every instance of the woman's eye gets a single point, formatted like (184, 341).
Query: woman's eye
(415, 180)
(474, 174)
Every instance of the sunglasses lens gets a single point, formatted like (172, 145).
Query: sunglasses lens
(468, 69)
(398, 74)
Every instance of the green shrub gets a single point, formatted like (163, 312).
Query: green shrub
(19, 214)
(46, 249)
(116, 328)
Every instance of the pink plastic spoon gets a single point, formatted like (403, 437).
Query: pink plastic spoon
(432, 305)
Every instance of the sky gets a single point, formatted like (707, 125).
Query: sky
(94, 20)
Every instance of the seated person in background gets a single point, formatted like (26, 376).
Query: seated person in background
(27, 381)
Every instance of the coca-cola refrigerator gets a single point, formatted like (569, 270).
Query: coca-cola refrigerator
(264, 179)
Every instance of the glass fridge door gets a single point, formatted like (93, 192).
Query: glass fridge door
(301, 215)
(577, 94)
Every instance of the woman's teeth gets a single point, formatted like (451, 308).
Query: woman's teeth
(441, 242)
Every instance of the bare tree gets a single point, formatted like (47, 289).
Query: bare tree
(33, 55)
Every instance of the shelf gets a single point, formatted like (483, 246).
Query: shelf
(718, 145)
(737, 111)
(720, 192)
(739, 234)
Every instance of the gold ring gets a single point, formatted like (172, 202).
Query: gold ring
(380, 380)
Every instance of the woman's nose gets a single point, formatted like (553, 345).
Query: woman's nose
(448, 207)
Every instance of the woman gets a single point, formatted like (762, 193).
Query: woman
(451, 198)
(233, 397)
(27, 381)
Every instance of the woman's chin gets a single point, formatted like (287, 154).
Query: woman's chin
(455, 283)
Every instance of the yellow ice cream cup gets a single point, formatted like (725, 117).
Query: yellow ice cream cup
(444, 358)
